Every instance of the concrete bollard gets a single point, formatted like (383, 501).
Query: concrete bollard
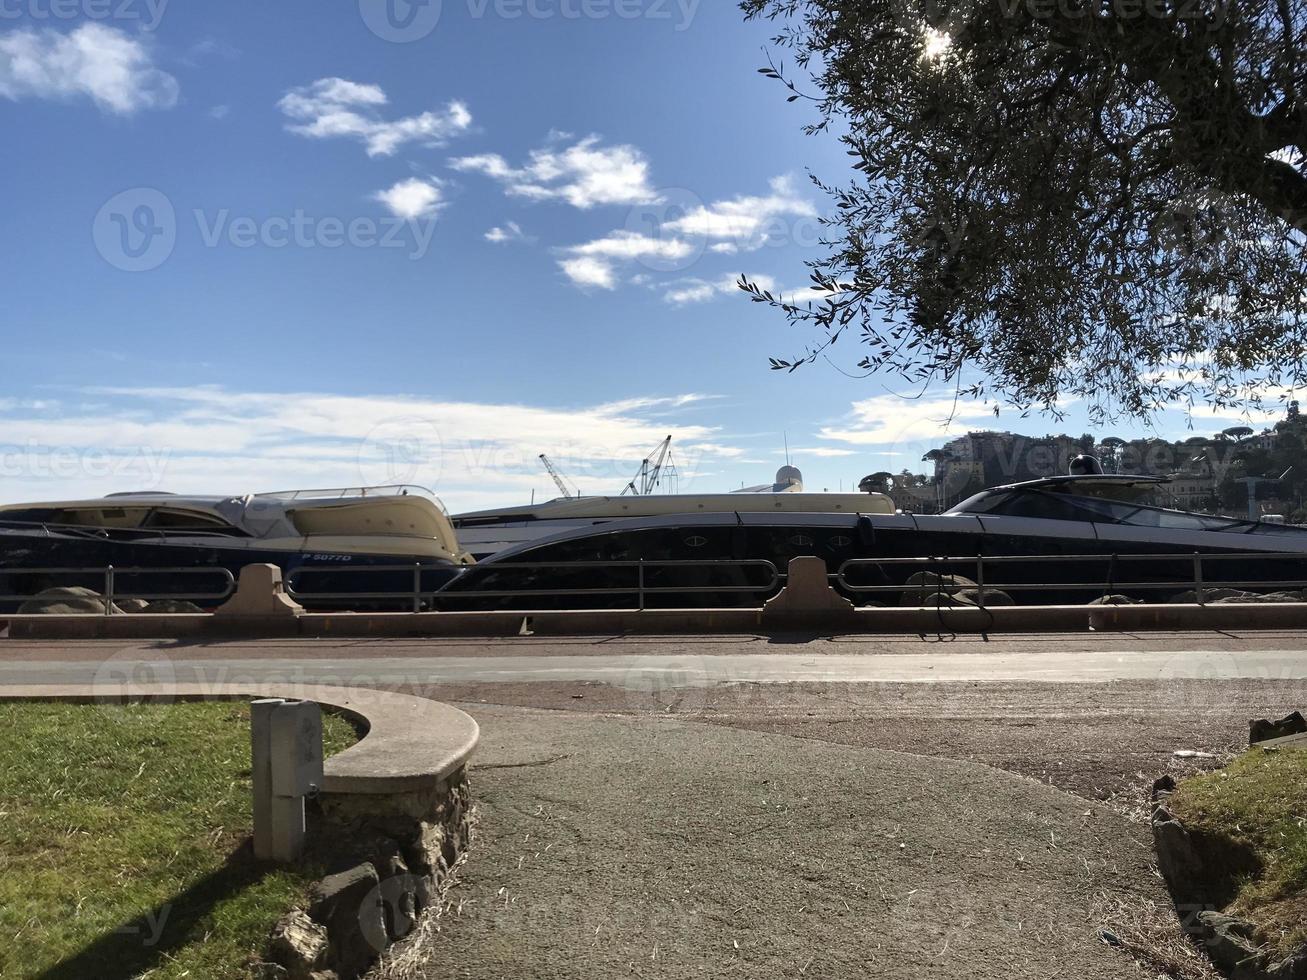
(286, 767)
(807, 598)
(260, 593)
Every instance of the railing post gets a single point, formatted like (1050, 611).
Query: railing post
(417, 586)
(1198, 578)
(108, 591)
(640, 576)
(980, 580)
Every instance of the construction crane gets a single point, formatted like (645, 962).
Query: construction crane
(647, 477)
(563, 486)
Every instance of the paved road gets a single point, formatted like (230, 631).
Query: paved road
(708, 646)
(686, 669)
(627, 839)
(616, 847)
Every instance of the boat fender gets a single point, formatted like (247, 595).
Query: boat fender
(866, 532)
(867, 538)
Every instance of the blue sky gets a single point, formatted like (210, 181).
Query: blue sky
(253, 246)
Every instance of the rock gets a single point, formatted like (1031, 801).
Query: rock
(1259, 597)
(1114, 600)
(1229, 596)
(349, 905)
(1292, 967)
(993, 597)
(1163, 787)
(133, 605)
(398, 892)
(174, 607)
(401, 896)
(1231, 942)
(921, 586)
(1177, 858)
(299, 945)
(73, 601)
(1262, 730)
(1214, 595)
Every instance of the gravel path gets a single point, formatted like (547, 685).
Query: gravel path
(613, 847)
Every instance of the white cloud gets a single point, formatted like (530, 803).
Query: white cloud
(595, 263)
(112, 68)
(584, 175)
(590, 272)
(808, 294)
(822, 452)
(886, 420)
(412, 199)
(220, 112)
(701, 291)
(215, 440)
(338, 108)
(510, 232)
(745, 223)
(714, 449)
(1232, 416)
(630, 245)
(696, 291)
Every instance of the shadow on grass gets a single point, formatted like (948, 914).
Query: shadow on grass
(139, 945)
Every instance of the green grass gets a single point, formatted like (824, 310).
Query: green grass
(1260, 799)
(124, 842)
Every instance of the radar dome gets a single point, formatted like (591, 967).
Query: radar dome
(1085, 465)
(789, 476)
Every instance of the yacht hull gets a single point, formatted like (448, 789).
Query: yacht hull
(322, 581)
(1036, 561)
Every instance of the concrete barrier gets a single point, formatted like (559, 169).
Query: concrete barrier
(260, 608)
(1190, 616)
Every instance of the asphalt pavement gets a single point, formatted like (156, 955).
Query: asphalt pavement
(654, 847)
(844, 806)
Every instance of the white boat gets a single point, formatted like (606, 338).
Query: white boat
(487, 532)
(319, 535)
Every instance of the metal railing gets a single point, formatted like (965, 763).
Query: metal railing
(341, 493)
(640, 588)
(417, 593)
(1200, 582)
(110, 582)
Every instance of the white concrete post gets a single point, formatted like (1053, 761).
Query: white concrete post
(260, 592)
(286, 763)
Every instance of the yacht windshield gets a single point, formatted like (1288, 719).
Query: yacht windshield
(1032, 502)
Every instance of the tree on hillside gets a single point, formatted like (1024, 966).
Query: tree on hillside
(1067, 198)
(879, 482)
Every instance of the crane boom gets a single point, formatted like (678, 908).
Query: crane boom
(650, 470)
(557, 477)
